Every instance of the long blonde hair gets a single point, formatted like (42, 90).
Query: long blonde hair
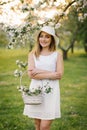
(38, 48)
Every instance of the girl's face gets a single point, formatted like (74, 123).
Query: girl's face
(45, 39)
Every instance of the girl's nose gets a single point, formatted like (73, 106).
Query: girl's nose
(43, 38)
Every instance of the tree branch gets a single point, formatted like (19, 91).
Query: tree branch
(61, 47)
(2, 3)
(73, 39)
(65, 9)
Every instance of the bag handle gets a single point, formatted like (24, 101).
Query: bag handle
(22, 77)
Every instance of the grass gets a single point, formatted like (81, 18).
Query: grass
(73, 93)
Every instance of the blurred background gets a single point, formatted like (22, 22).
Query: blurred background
(20, 21)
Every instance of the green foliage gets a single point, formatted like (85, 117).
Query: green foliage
(73, 93)
(67, 16)
(22, 1)
(82, 35)
(3, 39)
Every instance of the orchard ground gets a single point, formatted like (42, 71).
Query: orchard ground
(73, 87)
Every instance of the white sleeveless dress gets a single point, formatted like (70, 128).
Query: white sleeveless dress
(50, 108)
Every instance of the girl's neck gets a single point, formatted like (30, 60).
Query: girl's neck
(45, 51)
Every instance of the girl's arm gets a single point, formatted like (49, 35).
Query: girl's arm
(60, 66)
(34, 72)
(44, 74)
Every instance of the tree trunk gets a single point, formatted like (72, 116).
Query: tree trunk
(85, 47)
(72, 48)
(65, 54)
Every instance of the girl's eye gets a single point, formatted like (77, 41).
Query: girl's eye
(41, 36)
(47, 36)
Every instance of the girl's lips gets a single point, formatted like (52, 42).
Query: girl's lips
(43, 42)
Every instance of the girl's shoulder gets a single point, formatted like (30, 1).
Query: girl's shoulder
(59, 53)
(31, 54)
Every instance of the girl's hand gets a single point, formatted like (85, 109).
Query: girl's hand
(55, 75)
(34, 71)
(58, 75)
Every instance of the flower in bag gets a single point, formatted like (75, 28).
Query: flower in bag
(36, 90)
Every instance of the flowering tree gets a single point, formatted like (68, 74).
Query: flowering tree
(38, 15)
(71, 29)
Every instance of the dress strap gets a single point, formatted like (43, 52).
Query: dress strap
(56, 54)
(35, 60)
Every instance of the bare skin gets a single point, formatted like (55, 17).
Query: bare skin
(43, 124)
(36, 73)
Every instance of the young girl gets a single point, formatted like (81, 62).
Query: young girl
(45, 64)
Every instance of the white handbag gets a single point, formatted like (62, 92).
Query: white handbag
(35, 97)
(32, 100)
